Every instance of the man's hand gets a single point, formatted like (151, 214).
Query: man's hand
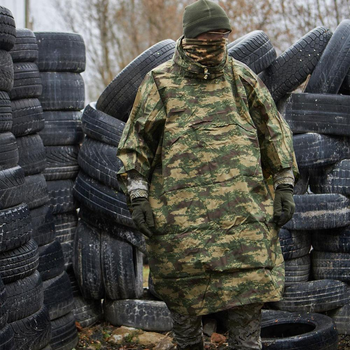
(142, 215)
(283, 205)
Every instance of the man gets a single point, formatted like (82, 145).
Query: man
(203, 137)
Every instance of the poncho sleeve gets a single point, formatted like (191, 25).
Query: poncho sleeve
(140, 145)
(275, 136)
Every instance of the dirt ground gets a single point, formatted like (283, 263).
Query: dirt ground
(97, 338)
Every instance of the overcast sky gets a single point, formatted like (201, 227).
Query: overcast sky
(42, 13)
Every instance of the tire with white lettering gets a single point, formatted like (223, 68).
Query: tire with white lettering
(61, 52)
(330, 71)
(314, 296)
(26, 47)
(291, 68)
(118, 97)
(295, 331)
(101, 126)
(255, 50)
(7, 29)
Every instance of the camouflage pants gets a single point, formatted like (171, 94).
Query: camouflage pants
(243, 324)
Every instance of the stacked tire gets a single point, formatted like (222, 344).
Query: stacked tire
(25, 324)
(108, 255)
(61, 60)
(314, 242)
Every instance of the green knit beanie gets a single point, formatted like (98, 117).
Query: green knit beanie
(203, 16)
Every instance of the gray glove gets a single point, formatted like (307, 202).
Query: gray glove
(142, 215)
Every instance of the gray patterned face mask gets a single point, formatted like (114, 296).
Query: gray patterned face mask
(207, 52)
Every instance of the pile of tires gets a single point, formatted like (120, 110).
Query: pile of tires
(315, 242)
(108, 253)
(25, 319)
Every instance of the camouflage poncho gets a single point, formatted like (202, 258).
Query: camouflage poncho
(207, 139)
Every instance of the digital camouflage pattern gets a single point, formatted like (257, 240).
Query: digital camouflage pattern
(206, 139)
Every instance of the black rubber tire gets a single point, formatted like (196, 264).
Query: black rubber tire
(291, 331)
(58, 296)
(27, 81)
(62, 128)
(27, 117)
(19, 262)
(36, 193)
(11, 187)
(43, 225)
(66, 225)
(7, 29)
(330, 71)
(319, 211)
(341, 318)
(319, 113)
(5, 112)
(332, 240)
(61, 196)
(329, 265)
(64, 333)
(7, 341)
(32, 332)
(61, 162)
(8, 151)
(60, 51)
(62, 91)
(102, 199)
(87, 312)
(51, 261)
(297, 270)
(87, 261)
(122, 268)
(24, 297)
(15, 227)
(149, 315)
(118, 97)
(99, 161)
(317, 150)
(255, 50)
(332, 179)
(105, 224)
(32, 157)
(294, 244)
(26, 47)
(291, 68)
(6, 71)
(3, 307)
(314, 296)
(101, 126)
